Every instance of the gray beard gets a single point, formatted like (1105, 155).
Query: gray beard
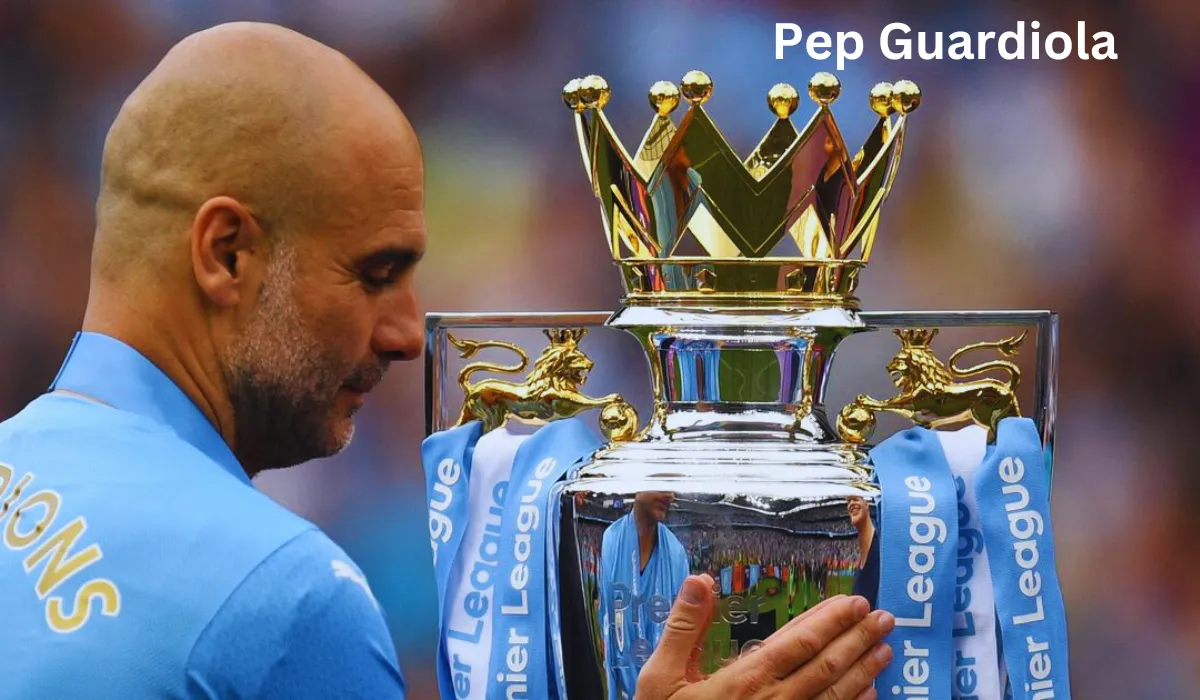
(281, 386)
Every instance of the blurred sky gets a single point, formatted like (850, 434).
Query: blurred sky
(1026, 184)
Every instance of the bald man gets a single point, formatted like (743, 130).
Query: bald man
(259, 219)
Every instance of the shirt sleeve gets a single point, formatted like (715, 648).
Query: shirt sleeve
(304, 624)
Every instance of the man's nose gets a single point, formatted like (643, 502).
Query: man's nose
(400, 332)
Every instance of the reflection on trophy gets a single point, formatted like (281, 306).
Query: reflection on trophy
(860, 518)
(642, 566)
(740, 277)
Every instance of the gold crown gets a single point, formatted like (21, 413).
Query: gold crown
(689, 222)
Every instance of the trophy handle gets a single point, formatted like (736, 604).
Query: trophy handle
(934, 393)
(551, 390)
(1043, 324)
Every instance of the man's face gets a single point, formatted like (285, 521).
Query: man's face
(657, 504)
(336, 307)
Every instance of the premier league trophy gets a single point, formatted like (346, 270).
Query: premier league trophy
(559, 551)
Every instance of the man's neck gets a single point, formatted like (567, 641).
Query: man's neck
(195, 373)
(647, 536)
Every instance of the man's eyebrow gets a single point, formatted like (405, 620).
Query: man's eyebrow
(402, 257)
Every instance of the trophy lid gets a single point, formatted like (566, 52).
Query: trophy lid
(690, 223)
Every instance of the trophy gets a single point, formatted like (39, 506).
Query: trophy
(740, 277)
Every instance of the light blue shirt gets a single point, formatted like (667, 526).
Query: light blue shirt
(137, 560)
(634, 600)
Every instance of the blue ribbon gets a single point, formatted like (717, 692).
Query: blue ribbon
(446, 457)
(522, 661)
(919, 535)
(1013, 493)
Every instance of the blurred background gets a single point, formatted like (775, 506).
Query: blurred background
(1027, 184)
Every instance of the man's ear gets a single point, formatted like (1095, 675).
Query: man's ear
(226, 245)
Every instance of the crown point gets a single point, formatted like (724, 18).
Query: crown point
(783, 99)
(593, 92)
(697, 87)
(824, 88)
(664, 97)
(570, 95)
(906, 96)
(881, 99)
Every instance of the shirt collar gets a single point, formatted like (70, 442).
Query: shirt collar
(108, 370)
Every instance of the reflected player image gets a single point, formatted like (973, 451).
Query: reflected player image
(642, 567)
(866, 584)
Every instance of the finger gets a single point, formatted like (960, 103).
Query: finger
(694, 672)
(689, 618)
(796, 644)
(861, 675)
(849, 663)
(868, 694)
(667, 668)
(782, 633)
(799, 619)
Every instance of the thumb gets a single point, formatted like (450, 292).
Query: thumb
(666, 671)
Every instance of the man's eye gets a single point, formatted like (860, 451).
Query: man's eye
(380, 275)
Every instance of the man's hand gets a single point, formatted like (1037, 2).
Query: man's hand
(831, 652)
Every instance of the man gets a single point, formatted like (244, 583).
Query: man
(640, 556)
(866, 583)
(259, 219)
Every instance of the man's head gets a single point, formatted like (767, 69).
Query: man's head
(654, 505)
(261, 212)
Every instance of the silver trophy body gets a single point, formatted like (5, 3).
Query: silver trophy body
(738, 473)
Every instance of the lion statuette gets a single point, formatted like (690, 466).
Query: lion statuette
(549, 392)
(929, 394)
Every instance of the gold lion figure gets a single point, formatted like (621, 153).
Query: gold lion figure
(930, 396)
(549, 392)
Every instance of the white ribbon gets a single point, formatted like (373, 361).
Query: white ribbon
(472, 581)
(977, 671)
